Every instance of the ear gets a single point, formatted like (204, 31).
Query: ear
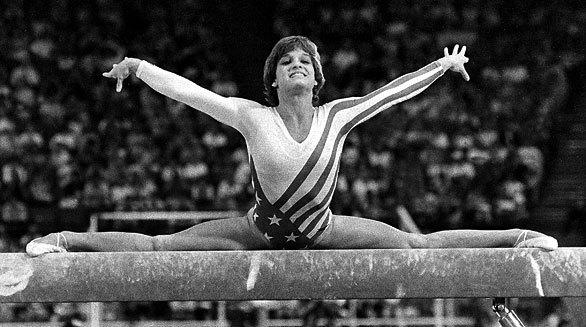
(274, 84)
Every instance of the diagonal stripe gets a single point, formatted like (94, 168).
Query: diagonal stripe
(342, 105)
(313, 159)
(320, 231)
(315, 227)
(405, 93)
(314, 221)
(397, 82)
(300, 221)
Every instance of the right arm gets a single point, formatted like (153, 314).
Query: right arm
(176, 87)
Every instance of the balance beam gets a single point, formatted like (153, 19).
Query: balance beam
(280, 275)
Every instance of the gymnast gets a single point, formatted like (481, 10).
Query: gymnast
(294, 147)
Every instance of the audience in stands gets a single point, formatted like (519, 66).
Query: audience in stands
(460, 155)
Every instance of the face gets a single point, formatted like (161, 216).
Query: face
(295, 70)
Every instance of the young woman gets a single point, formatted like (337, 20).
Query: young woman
(294, 146)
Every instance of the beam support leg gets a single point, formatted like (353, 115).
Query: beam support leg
(507, 317)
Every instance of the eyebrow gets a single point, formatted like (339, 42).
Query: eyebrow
(288, 55)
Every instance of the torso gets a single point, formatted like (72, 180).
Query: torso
(295, 166)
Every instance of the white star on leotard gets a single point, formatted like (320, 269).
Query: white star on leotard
(268, 237)
(274, 220)
(291, 237)
(254, 216)
(257, 198)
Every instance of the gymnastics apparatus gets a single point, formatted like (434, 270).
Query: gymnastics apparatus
(496, 273)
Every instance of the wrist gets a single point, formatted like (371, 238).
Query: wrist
(132, 64)
(444, 63)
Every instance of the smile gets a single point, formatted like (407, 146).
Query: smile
(297, 74)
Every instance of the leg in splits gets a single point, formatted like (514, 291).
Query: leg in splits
(348, 232)
(222, 234)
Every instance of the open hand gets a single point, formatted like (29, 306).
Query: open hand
(456, 61)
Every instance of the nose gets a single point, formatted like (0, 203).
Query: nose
(297, 63)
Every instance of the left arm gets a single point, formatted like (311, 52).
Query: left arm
(403, 88)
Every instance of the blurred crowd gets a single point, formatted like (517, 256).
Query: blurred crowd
(458, 155)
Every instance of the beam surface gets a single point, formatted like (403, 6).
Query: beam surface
(311, 274)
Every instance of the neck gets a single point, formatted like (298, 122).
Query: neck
(295, 105)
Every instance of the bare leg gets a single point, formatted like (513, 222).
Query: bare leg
(223, 234)
(359, 233)
(469, 238)
(123, 242)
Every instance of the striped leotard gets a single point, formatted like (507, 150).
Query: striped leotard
(294, 181)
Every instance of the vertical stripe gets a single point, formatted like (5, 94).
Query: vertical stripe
(255, 182)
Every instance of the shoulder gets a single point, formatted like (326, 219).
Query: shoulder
(242, 103)
(250, 111)
(343, 103)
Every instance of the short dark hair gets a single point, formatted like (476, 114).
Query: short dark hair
(282, 47)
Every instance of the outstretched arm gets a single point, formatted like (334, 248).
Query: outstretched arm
(178, 88)
(403, 88)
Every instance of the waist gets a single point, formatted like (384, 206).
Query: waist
(283, 233)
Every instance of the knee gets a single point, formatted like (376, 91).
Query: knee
(404, 241)
(392, 243)
(196, 243)
(220, 244)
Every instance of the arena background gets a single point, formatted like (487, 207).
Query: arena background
(504, 150)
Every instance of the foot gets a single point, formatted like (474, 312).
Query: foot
(531, 239)
(52, 243)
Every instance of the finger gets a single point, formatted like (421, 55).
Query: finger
(463, 51)
(465, 74)
(455, 51)
(446, 51)
(119, 85)
(107, 74)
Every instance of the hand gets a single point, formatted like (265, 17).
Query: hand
(122, 70)
(456, 61)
